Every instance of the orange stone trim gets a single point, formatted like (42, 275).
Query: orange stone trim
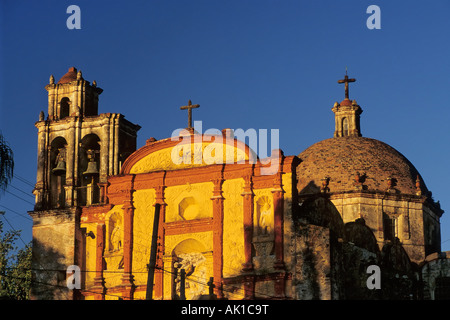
(94, 214)
(248, 219)
(189, 226)
(218, 235)
(120, 191)
(99, 281)
(128, 217)
(159, 273)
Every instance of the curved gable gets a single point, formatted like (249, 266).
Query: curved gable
(187, 152)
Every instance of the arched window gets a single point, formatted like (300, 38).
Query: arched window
(344, 127)
(58, 160)
(89, 170)
(190, 255)
(389, 226)
(64, 108)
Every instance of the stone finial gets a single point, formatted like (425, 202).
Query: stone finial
(336, 104)
(41, 116)
(150, 140)
(418, 189)
(325, 182)
(357, 178)
(94, 83)
(79, 75)
(360, 178)
(391, 183)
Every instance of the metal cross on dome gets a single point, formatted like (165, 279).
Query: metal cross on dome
(189, 108)
(346, 80)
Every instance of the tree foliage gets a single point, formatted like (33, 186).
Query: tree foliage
(15, 267)
(6, 163)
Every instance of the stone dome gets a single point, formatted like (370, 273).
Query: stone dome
(342, 158)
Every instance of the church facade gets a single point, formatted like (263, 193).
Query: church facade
(197, 215)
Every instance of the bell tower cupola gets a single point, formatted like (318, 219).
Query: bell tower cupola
(347, 114)
(72, 95)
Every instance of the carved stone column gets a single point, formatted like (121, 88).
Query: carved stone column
(159, 273)
(217, 199)
(249, 287)
(248, 223)
(278, 211)
(128, 217)
(99, 281)
(41, 181)
(278, 207)
(280, 285)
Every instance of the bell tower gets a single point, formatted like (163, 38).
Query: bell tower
(77, 147)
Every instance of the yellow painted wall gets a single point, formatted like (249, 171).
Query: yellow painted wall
(91, 249)
(233, 228)
(233, 233)
(195, 199)
(144, 213)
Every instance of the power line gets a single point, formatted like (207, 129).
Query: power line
(19, 197)
(54, 285)
(17, 213)
(24, 180)
(215, 282)
(135, 272)
(190, 278)
(18, 233)
(20, 190)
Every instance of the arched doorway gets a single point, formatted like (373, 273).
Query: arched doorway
(191, 256)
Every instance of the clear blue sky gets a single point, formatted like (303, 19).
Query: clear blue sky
(249, 64)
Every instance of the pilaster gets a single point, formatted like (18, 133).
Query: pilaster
(248, 219)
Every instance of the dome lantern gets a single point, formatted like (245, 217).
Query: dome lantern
(347, 114)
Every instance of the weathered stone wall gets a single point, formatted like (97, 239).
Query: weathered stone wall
(311, 278)
(54, 247)
(437, 267)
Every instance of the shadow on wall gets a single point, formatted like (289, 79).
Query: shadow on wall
(333, 257)
(48, 274)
